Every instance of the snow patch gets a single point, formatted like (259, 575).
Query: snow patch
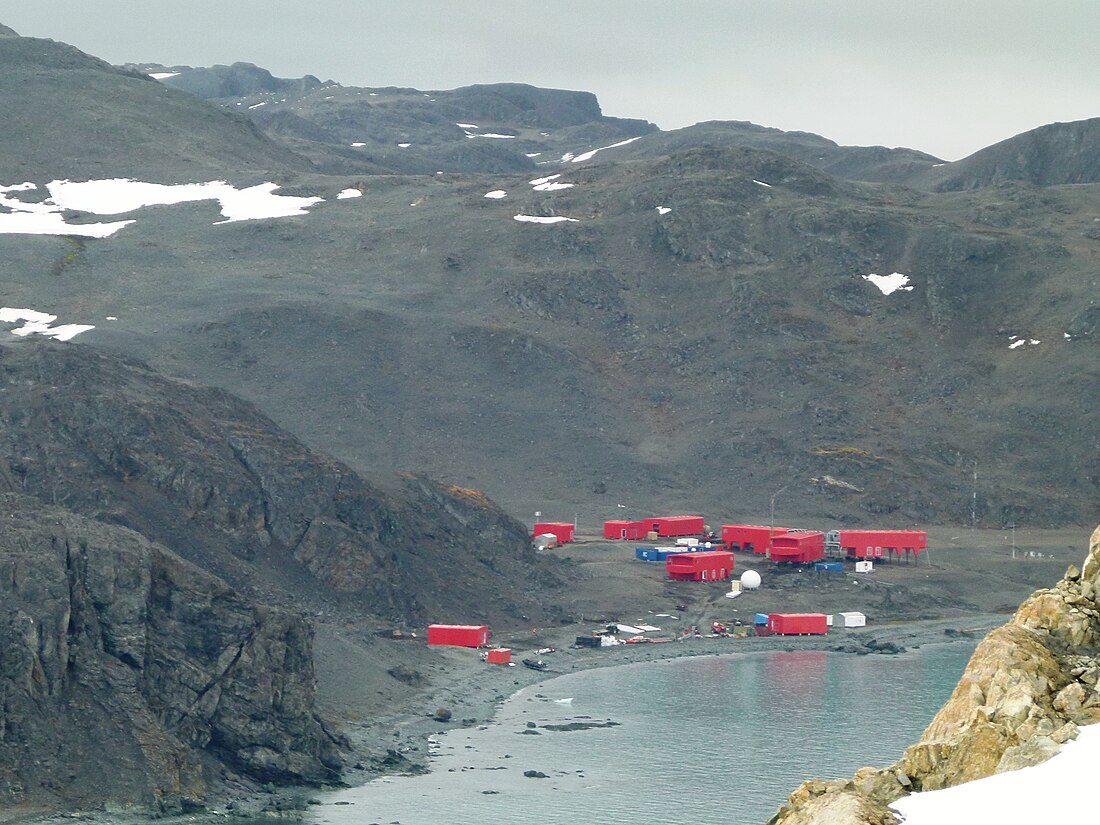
(493, 135)
(538, 219)
(359, 143)
(1015, 344)
(467, 125)
(532, 154)
(663, 210)
(553, 187)
(121, 195)
(1048, 792)
(589, 155)
(162, 75)
(404, 145)
(761, 183)
(35, 322)
(258, 105)
(547, 179)
(496, 194)
(890, 283)
(344, 194)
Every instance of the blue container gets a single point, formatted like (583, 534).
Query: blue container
(647, 554)
(761, 618)
(829, 567)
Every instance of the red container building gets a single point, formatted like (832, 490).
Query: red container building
(459, 635)
(710, 565)
(882, 544)
(800, 547)
(798, 624)
(630, 530)
(499, 656)
(749, 538)
(669, 526)
(563, 530)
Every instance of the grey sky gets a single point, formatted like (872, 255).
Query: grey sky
(944, 77)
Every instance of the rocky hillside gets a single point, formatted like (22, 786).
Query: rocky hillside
(692, 328)
(495, 127)
(70, 115)
(1052, 155)
(111, 644)
(204, 474)
(1027, 688)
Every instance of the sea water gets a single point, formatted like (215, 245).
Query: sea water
(717, 739)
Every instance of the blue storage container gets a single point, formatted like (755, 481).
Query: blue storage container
(761, 618)
(645, 553)
(829, 567)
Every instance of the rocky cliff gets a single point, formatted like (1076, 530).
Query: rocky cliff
(110, 644)
(1027, 688)
(204, 474)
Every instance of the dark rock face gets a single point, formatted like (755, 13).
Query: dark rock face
(203, 473)
(110, 644)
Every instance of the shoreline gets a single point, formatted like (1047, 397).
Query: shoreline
(397, 743)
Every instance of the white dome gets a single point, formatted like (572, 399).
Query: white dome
(750, 580)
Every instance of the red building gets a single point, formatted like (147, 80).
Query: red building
(801, 547)
(710, 565)
(563, 530)
(882, 544)
(499, 656)
(458, 635)
(669, 526)
(749, 538)
(630, 530)
(798, 624)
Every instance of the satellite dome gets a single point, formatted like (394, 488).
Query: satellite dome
(750, 580)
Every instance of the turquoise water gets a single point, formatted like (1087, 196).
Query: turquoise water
(697, 740)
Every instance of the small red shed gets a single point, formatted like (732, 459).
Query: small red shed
(798, 624)
(629, 530)
(669, 526)
(800, 547)
(749, 538)
(458, 635)
(499, 656)
(710, 565)
(878, 544)
(564, 530)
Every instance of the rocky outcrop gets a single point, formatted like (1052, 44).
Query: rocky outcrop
(1027, 688)
(204, 474)
(110, 644)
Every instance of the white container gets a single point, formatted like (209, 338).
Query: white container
(686, 541)
(851, 619)
(828, 619)
(864, 566)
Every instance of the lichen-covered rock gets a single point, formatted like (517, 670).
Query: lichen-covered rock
(1027, 687)
(110, 644)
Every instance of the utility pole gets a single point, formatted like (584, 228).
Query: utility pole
(974, 498)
